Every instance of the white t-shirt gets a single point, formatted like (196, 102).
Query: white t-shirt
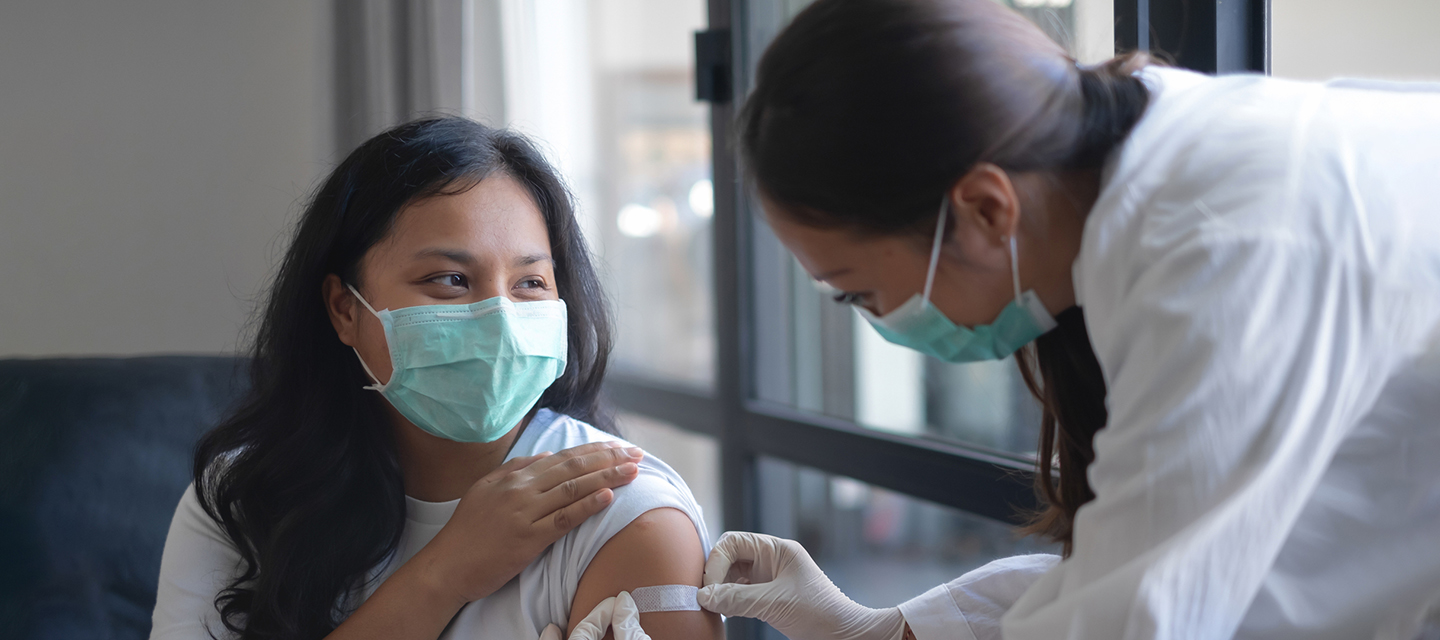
(199, 560)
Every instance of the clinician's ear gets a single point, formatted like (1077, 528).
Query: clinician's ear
(343, 308)
(985, 200)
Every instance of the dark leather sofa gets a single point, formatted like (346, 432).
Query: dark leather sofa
(94, 455)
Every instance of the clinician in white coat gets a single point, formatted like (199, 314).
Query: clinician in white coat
(1227, 291)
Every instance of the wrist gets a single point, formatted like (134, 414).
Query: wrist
(864, 623)
(410, 603)
(434, 578)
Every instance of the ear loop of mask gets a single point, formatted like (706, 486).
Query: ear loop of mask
(1015, 268)
(935, 255)
(935, 248)
(377, 386)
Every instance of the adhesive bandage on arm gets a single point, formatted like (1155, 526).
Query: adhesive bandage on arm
(666, 597)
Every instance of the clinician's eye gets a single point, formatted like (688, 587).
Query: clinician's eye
(849, 298)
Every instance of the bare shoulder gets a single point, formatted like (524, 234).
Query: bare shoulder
(661, 546)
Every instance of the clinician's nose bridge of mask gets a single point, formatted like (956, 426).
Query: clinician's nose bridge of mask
(975, 269)
(973, 277)
(919, 323)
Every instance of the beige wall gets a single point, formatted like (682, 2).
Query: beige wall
(1322, 39)
(152, 155)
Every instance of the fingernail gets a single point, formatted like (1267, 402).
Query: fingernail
(635, 452)
(605, 496)
(628, 468)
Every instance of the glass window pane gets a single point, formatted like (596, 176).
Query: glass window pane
(815, 355)
(981, 403)
(1086, 28)
(1323, 39)
(881, 548)
(607, 86)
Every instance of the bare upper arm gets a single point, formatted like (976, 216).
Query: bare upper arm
(659, 547)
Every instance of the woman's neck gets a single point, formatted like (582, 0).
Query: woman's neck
(439, 470)
(1065, 200)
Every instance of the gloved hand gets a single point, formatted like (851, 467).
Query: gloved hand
(619, 613)
(753, 575)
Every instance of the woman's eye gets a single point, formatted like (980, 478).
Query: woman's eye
(450, 280)
(532, 283)
(848, 298)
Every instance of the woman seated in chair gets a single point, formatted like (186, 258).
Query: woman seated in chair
(434, 332)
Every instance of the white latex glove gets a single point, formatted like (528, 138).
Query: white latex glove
(618, 612)
(753, 575)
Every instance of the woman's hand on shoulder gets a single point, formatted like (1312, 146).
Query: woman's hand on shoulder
(510, 516)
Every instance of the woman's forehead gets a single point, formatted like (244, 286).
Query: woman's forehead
(495, 218)
(828, 252)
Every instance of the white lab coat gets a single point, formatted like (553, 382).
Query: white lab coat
(1261, 281)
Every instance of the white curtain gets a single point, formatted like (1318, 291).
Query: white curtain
(396, 60)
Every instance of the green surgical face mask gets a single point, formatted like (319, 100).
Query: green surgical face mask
(470, 372)
(917, 324)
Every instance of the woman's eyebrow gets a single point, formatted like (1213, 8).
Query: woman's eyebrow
(464, 257)
(525, 261)
(454, 255)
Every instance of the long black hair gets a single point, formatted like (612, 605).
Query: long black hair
(866, 112)
(303, 476)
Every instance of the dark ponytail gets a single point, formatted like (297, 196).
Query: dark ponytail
(865, 112)
(1114, 100)
(1061, 371)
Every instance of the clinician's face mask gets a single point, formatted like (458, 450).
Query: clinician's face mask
(470, 372)
(917, 324)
